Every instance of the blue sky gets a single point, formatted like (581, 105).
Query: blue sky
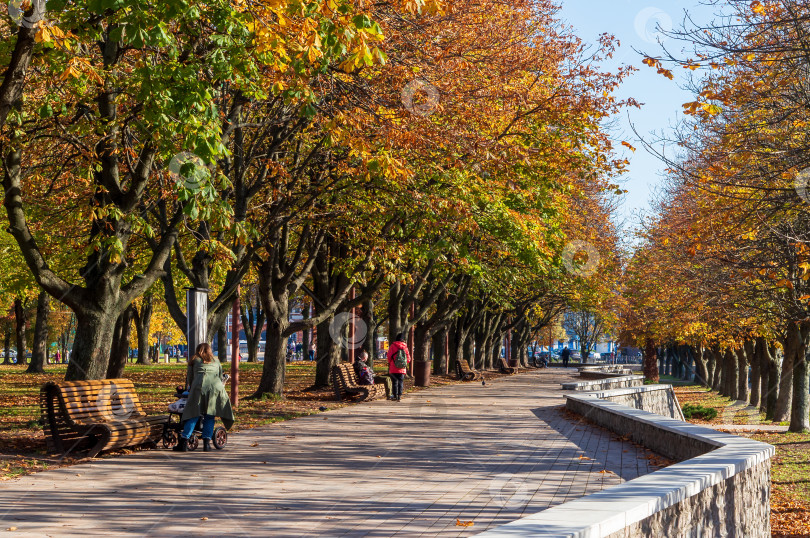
(635, 24)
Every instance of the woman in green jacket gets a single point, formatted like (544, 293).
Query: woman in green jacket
(206, 397)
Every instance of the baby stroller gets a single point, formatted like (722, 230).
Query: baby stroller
(174, 426)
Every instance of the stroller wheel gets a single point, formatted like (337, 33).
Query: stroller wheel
(193, 442)
(169, 438)
(220, 438)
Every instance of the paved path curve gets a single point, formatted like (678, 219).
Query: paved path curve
(486, 454)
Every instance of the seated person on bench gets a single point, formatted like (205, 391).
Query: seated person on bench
(365, 375)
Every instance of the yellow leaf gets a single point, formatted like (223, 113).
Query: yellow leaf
(711, 109)
(460, 523)
(43, 35)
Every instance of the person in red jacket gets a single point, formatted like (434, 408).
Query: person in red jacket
(397, 366)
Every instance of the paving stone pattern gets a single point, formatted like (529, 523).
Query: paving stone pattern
(486, 454)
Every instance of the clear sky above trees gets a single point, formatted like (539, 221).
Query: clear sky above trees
(633, 22)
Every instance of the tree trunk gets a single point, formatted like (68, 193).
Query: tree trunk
(742, 376)
(800, 406)
(723, 386)
(143, 322)
(683, 363)
(325, 287)
(487, 345)
(421, 343)
(222, 343)
(650, 362)
(719, 363)
(453, 344)
(39, 351)
(253, 317)
(119, 351)
(19, 320)
(397, 312)
(661, 355)
(469, 347)
(275, 353)
(701, 366)
(497, 346)
(521, 342)
(783, 402)
(370, 342)
(480, 347)
(757, 359)
(773, 382)
(708, 360)
(327, 353)
(439, 353)
(730, 375)
(674, 363)
(735, 380)
(91, 346)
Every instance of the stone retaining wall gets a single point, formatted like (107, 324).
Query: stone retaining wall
(605, 384)
(598, 374)
(720, 486)
(658, 399)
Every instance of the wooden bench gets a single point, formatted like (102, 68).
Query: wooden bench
(465, 373)
(345, 384)
(506, 369)
(91, 416)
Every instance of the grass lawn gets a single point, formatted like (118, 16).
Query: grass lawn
(790, 483)
(674, 381)
(790, 468)
(22, 443)
(728, 411)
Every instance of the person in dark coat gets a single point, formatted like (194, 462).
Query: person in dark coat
(207, 397)
(566, 354)
(362, 369)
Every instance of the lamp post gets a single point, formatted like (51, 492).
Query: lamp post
(235, 351)
(352, 328)
(196, 318)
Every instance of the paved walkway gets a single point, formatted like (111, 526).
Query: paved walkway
(468, 453)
